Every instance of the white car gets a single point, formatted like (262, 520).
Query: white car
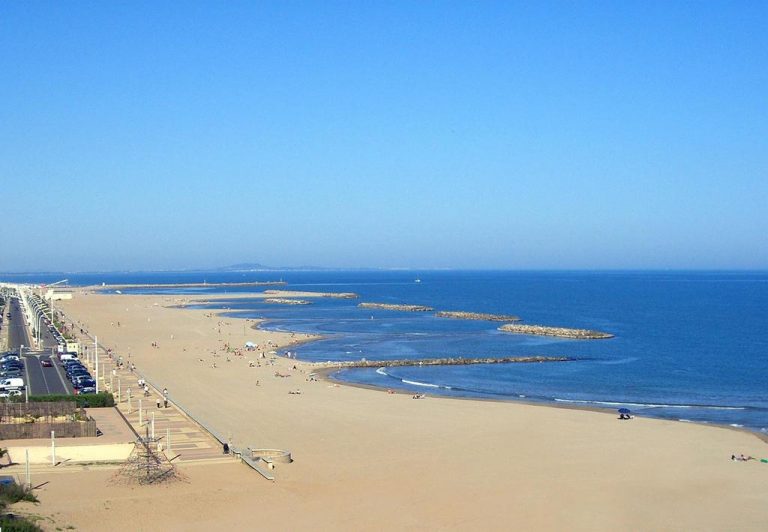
(9, 393)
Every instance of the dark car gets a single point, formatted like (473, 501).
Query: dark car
(83, 382)
(75, 372)
(46, 363)
(74, 376)
(71, 363)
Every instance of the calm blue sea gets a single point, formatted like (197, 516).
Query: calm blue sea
(688, 345)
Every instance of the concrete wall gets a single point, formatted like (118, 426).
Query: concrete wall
(70, 429)
(116, 452)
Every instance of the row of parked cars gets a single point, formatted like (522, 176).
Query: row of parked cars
(11, 371)
(78, 375)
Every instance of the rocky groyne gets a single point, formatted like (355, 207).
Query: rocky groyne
(560, 332)
(459, 361)
(388, 306)
(480, 316)
(284, 301)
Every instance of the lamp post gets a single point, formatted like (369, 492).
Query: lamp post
(96, 354)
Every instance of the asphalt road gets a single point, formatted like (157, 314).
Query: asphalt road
(17, 331)
(42, 380)
(39, 379)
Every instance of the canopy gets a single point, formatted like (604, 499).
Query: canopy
(250, 344)
(623, 410)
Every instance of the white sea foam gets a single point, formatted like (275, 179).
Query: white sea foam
(649, 405)
(381, 371)
(417, 383)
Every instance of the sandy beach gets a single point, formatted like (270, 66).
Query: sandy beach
(368, 460)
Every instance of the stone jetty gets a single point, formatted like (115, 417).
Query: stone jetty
(388, 306)
(561, 332)
(186, 285)
(284, 301)
(460, 315)
(460, 361)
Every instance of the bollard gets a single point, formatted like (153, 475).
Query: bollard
(53, 447)
(29, 479)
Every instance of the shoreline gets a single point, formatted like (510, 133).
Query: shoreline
(508, 399)
(326, 374)
(422, 457)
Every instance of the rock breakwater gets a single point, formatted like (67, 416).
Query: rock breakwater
(455, 361)
(388, 306)
(461, 315)
(561, 332)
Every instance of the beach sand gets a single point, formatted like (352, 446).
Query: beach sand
(368, 460)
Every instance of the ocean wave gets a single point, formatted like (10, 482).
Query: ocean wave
(381, 371)
(417, 383)
(650, 405)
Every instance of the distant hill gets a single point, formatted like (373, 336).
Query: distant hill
(255, 266)
(245, 266)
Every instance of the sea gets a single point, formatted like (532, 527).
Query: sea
(687, 346)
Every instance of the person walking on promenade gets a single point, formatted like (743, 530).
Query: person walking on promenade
(158, 403)
(165, 397)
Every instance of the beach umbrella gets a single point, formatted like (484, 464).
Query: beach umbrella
(250, 344)
(624, 410)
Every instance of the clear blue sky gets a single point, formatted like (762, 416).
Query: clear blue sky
(394, 134)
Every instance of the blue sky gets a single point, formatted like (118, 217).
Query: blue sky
(387, 134)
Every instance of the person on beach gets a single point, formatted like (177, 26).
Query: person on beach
(158, 403)
(165, 397)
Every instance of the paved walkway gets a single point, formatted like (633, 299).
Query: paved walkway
(188, 440)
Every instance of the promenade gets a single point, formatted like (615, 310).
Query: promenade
(182, 438)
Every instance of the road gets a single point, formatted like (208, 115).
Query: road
(17, 330)
(43, 380)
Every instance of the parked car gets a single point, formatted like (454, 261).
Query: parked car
(75, 372)
(83, 382)
(82, 378)
(75, 367)
(14, 382)
(11, 373)
(9, 393)
(78, 373)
